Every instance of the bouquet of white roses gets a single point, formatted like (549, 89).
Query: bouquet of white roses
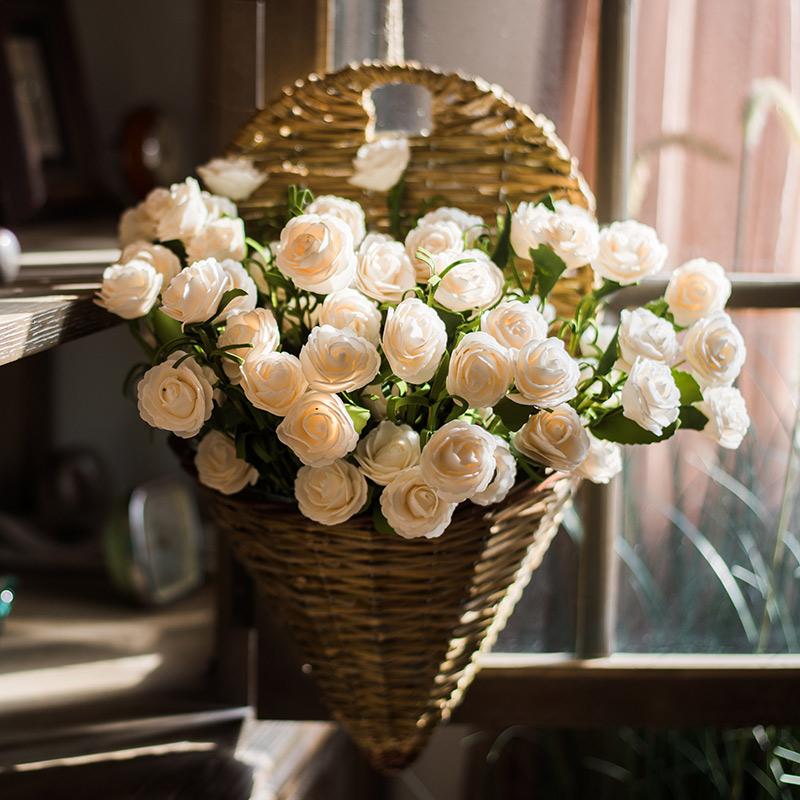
(401, 375)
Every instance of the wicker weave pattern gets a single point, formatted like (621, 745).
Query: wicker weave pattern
(391, 626)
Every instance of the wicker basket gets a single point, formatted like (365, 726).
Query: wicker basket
(391, 627)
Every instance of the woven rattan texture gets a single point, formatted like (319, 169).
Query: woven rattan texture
(483, 149)
(391, 626)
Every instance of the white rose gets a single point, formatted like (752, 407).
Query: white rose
(386, 450)
(221, 239)
(414, 340)
(331, 494)
(650, 396)
(337, 360)
(436, 237)
(318, 429)
(628, 252)
(218, 466)
(348, 211)
(728, 420)
(163, 260)
(697, 289)
(602, 462)
(272, 381)
(177, 399)
(573, 235)
(471, 225)
(348, 308)
(476, 284)
(135, 224)
(553, 438)
(234, 177)
(239, 279)
(458, 460)
(218, 207)
(194, 294)
(513, 323)
(505, 475)
(384, 270)
(715, 350)
(413, 508)
(157, 202)
(129, 290)
(530, 227)
(316, 252)
(642, 333)
(545, 375)
(256, 328)
(379, 165)
(184, 214)
(480, 370)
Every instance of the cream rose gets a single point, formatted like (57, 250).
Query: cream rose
(348, 211)
(384, 270)
(272, 381)
(256, 328)
(135, 225)
(650, 396)
(218, 207)
(239, 279)
(318, 429)
(183, 214)
(629, 251)
(332, 494)
(129, 290)
(697, 289)
(348, 308)
(553, 438)
(545, 375)
(221, 239)
(177, 399)
(715, 350)
(414, 340)
(530, 227)
(316, 252)
(233, 177)
(194, 294)
(602, 462)
(728, 420)
(163, 260)
(157, 202)
(573, 235)
(413, 508)
(642, 333)
(478, 283)
(218, 466)
(386, 450)
(513, 323)
(471, 225)
(436, 237)
(379, 165)
(480, 370)
(458, 460)
(337, 360)
(505, 474)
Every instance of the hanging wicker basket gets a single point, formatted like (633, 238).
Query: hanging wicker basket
(392, 627)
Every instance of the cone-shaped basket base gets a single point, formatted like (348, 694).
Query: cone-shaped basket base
(391, 626)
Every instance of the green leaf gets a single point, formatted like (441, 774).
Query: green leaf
(606, 288)
(502, 251)
(359, 415)
(380, 522)
(609, 356)
(547, 268)
(226, 299)
(692, 418)
(657, 307)
(165, 328)
(616, 427)
(547, 202)
(514, 415)
(688, 387)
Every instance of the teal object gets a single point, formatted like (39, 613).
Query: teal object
(8, 591)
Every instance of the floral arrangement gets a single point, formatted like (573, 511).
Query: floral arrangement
(358, 372)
